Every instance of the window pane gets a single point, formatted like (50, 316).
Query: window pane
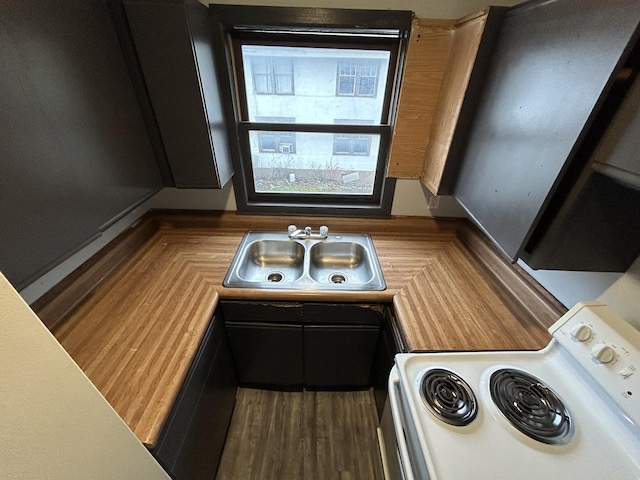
(341, 144)
(262, 83)
(272, 75)
(346, 78)
(261, 76)
(346, 85)
(267, 142)
(361, 145)
(283, 83)
(367, 81)
(282, 142)
(310, 83)
(311, 165)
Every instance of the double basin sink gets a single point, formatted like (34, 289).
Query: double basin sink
(273, 261)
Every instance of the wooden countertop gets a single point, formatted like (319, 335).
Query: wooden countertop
(136, 334)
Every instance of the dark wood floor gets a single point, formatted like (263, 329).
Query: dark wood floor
(302, 435)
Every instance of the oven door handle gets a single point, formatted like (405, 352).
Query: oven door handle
(394, 401)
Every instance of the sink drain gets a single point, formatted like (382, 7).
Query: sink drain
(338, 278)
(275, 277)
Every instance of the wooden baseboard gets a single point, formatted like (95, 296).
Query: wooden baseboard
(397, 224)
(55, 305)
(522, 294)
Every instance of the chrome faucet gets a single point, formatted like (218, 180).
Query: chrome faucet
(306, 233)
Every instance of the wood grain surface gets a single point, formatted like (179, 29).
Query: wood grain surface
(136, 334)
(400, 242)
(302, 435)
(524, 296)
(464, 49)
(454, 309)
(427, 56)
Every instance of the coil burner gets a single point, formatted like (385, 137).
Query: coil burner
(448, 397)
(531, 406)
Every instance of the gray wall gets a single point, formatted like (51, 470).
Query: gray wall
(74, 152)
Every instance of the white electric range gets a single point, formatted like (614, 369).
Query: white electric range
(571, 410)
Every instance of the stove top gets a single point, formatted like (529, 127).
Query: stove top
(504, 415)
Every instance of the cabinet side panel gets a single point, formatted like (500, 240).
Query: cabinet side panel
(202, 448)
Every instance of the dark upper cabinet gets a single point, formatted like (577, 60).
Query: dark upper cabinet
(174, 46)
(552, 71)
(596, 229)
(596, 225)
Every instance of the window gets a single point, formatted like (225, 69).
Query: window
(281, 142)
(314, 155)
(349, 144)
(345, 144)
(292, 155)
(272, 76)
(357, 78)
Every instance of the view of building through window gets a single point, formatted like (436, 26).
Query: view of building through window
(314, 86)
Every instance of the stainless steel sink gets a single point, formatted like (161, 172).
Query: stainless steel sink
(340, 262)
(272, 260)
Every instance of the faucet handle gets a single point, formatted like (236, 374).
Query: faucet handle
(324, 231)
(291, 229)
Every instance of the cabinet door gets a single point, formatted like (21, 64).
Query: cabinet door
(267, 354)
(192, 440)
(340, 343)
(203, 445)
(339, 355)
(597, 229)
(173, 40)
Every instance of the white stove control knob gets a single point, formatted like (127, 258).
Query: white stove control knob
(603, 353)
(581, 332)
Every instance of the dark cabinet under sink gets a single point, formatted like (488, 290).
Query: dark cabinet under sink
(340, 343)
(295, 345)
(266, 341)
